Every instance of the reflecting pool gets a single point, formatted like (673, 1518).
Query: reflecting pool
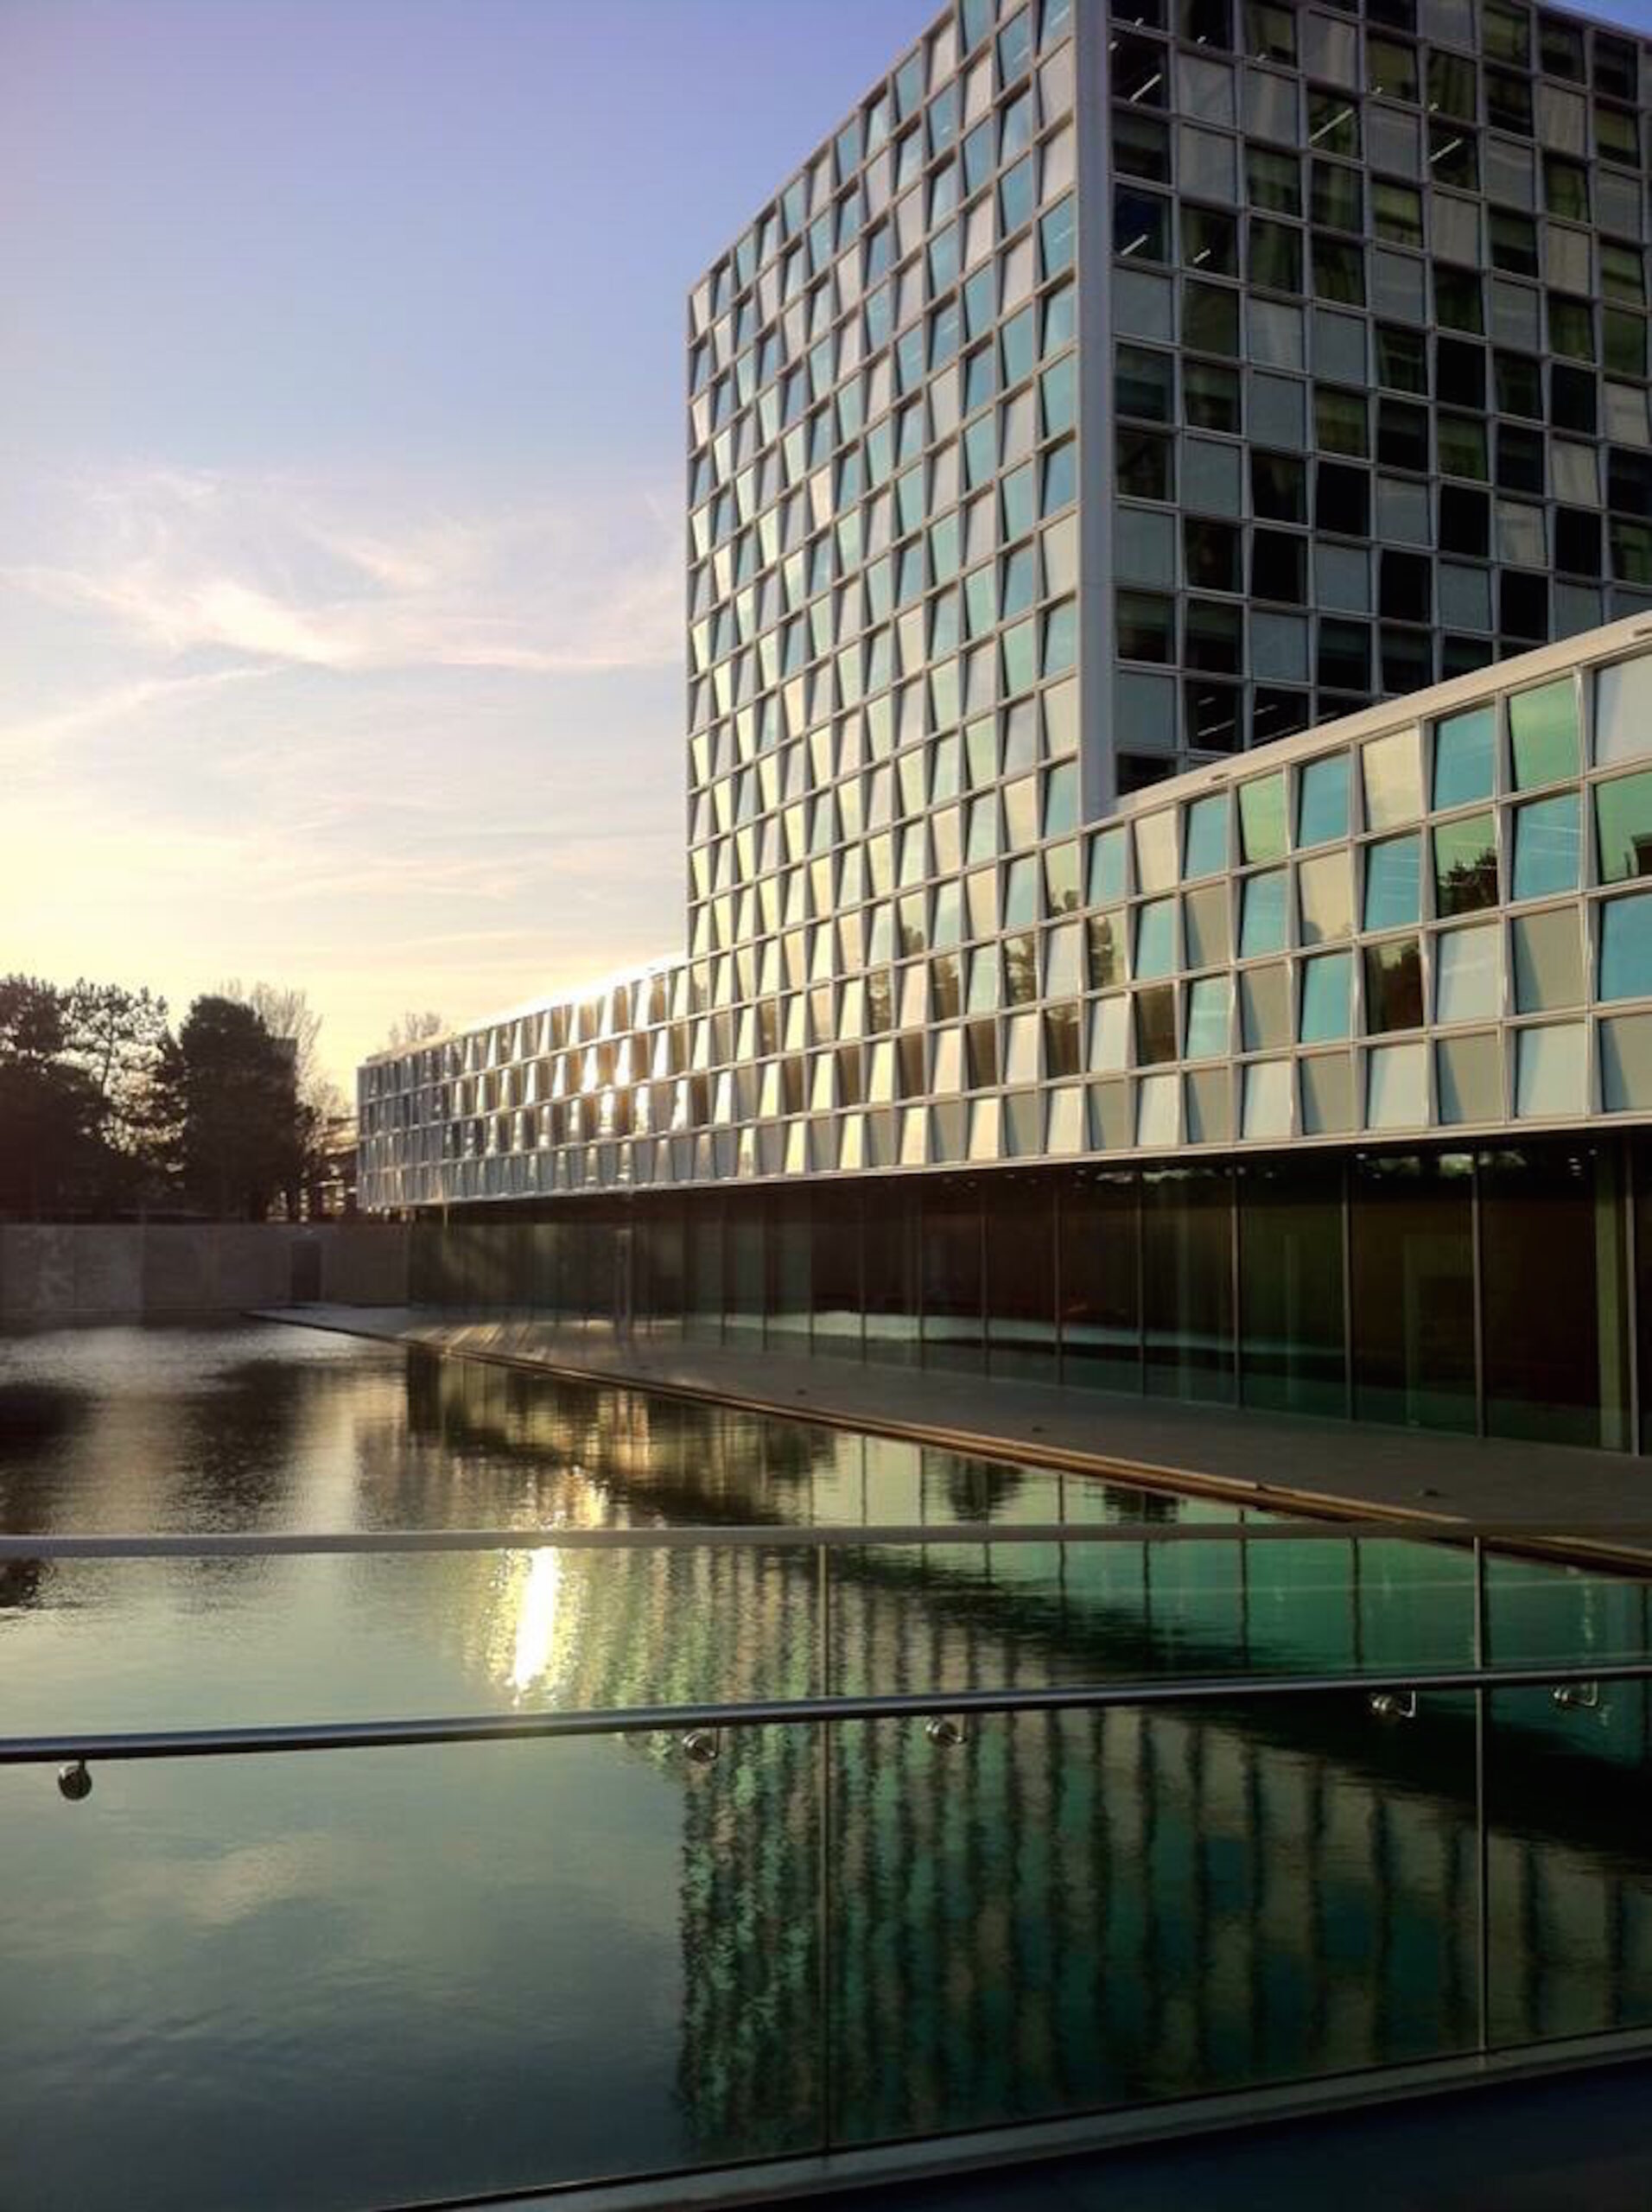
(353, 1980)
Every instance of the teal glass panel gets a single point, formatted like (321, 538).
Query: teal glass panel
(1322, 800)
(1543, 733)
(1020, 657)
(1466, 865)
(1204, 850)
(1060, 638)
(1155, 946)
(1393, 883)
(1207, 1018)
(1626, 948)
(1107, 856)
(1326, 998)
(1262, 819)
(1465, 757)
(1623, 827)
(1263, 925)
(1546, 846)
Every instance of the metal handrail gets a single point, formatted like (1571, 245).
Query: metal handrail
(719, 1714)
(832, 1535)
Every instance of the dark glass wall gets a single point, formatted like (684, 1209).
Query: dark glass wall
(1412, 1263)
(1552, 1265)
(953, 1325)
(1019, 1221)
(1293, 1355)
(1505, 1291)
(1187, 1282)
(1099, 1282)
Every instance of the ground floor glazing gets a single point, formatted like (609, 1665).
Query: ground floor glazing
(1501, 1290)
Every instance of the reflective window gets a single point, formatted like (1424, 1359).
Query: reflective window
(1107, 858)
(1322, 800)
(1393, 986)
(1543, 742)
(1623, 711)
(1262, 915)
(1207, 1018)
(1155, 848)
(1412, 1269)
(1290, 1284)
(1392, 771)
(1623, 827)
(1262, 819)
(1551, 1068)
(1327, 987)
(1547, 842)
(1467, 976)
(1155, 945)
(1393, 882)
(1465, 757)
(1626, 947)
(1468, 1077)
(1187, 1283)
(1466, 865)
(1325, 897)
(1396, 1087)
(1548, 950)
(1206, 940)
(1205, 836)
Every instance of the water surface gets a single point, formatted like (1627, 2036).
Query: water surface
(356, 1980)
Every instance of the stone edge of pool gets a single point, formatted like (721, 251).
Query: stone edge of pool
(1423, 1481)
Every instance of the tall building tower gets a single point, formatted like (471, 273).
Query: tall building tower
(1157, 479)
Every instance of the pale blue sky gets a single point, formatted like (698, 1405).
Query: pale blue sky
(340, 426)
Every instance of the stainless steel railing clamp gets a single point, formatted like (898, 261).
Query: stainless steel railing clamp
(1394, 1705)
(702, 1746)
(1577, 1697)
(74, 1782)
(946, 1733)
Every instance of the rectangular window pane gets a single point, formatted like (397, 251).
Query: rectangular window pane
(1412, 1274)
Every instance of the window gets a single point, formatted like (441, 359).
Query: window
(1623, 827)
(1547, 840)
(1466, 865)
(1543, 734)
(1263, 914)
(1145, 626)
(1322, 806)
(1327, 988)
(1464, 757)
(1210, 395)
(1144, 470)
(1626, 948)
(1393, 986)
(1393, 882)
(1262, 819)
(1274, 180)
(1391, 770)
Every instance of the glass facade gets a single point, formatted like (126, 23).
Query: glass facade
(1392, 1286)
(1379, 312)
(1115, 392)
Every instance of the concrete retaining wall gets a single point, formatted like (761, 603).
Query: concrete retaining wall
(130, 1271)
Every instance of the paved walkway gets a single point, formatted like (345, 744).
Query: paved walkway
(1333, 1467)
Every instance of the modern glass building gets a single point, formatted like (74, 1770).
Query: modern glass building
(1170, 745)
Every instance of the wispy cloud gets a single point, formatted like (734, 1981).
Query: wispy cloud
(272, 570)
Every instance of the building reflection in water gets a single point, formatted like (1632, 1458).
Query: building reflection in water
(1073, 1910)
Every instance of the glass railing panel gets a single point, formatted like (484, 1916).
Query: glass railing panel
(1539, 1610)
(1098, 1610)
(179, 1642)
(1080, 1911)
(1570, 1861)
(348, 1980)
